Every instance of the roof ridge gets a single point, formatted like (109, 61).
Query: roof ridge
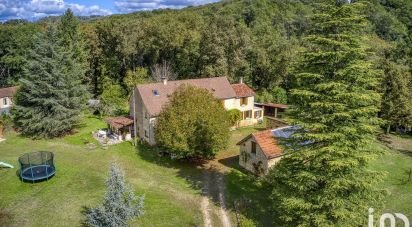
(174, 81)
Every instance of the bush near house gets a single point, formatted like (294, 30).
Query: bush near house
(193, 125)
(234, 116)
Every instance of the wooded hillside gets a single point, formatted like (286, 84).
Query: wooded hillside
(260, 40)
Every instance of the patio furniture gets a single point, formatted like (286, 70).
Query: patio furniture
(102, 133)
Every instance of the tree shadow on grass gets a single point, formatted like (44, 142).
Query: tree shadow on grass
(405, 152)
(244, 194)
(248, 196)
(232, 162)
(190, 171)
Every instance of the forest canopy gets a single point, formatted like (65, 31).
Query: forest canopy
(261, 41)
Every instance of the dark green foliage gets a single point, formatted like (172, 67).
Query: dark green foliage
(193, 125)
(322, 179)
(72, 39)
(119, 205)
(274, 95)
(113, 99)
(51, 96)
(15, 40)
(397, 95)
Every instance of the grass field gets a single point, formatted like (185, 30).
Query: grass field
(172, 189)
(171, 198)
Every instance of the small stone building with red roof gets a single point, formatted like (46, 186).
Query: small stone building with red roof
(260, 151)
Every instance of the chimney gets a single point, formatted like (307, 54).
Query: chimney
(241, 80)
(164, 80)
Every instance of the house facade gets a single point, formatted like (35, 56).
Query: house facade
(6, 99)
(260, 151)
(148, 100)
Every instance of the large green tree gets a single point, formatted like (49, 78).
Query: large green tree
(397, 95)
(193, 125)
(15, 39)
(51, 95)
(322, 179)
(71, 36)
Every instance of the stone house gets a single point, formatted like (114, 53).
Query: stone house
(148, 99)
(260, 151)
(6, 99)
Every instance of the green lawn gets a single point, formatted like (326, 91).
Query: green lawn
(172, 189)
(396, 162)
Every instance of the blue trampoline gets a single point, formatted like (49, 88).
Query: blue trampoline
(37, 166)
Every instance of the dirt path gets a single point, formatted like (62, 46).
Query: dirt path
(223, 213)
(214, 188)
(207, 221)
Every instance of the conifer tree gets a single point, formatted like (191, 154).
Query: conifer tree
(322, 179)
(119, 205)
(71, 37)
(51, 96)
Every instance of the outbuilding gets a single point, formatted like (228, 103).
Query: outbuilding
(260, 151)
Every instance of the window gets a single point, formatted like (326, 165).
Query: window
(5, 101)
(146, 115)
(253, 150)
(243, 101)
(258, 114)
(155, 92)
(247, 114)
(145, 134)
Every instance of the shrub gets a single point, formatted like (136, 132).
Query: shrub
(119, 204)
(234, 116)
(193, 125)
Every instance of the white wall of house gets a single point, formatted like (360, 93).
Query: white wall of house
(248, 159)
(248, 119)
(234, 103)
(5, 102)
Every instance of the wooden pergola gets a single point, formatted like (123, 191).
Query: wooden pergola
(120, 126)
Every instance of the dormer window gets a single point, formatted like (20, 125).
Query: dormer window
(155, 92)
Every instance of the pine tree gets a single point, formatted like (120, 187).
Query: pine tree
(119, 205)
(51, 96)
(71, 37)
(322, 179)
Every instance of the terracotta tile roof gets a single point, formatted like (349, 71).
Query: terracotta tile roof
(7, 92)
(156, 95)
(267, 143)
(119, 122)
(242, 90)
